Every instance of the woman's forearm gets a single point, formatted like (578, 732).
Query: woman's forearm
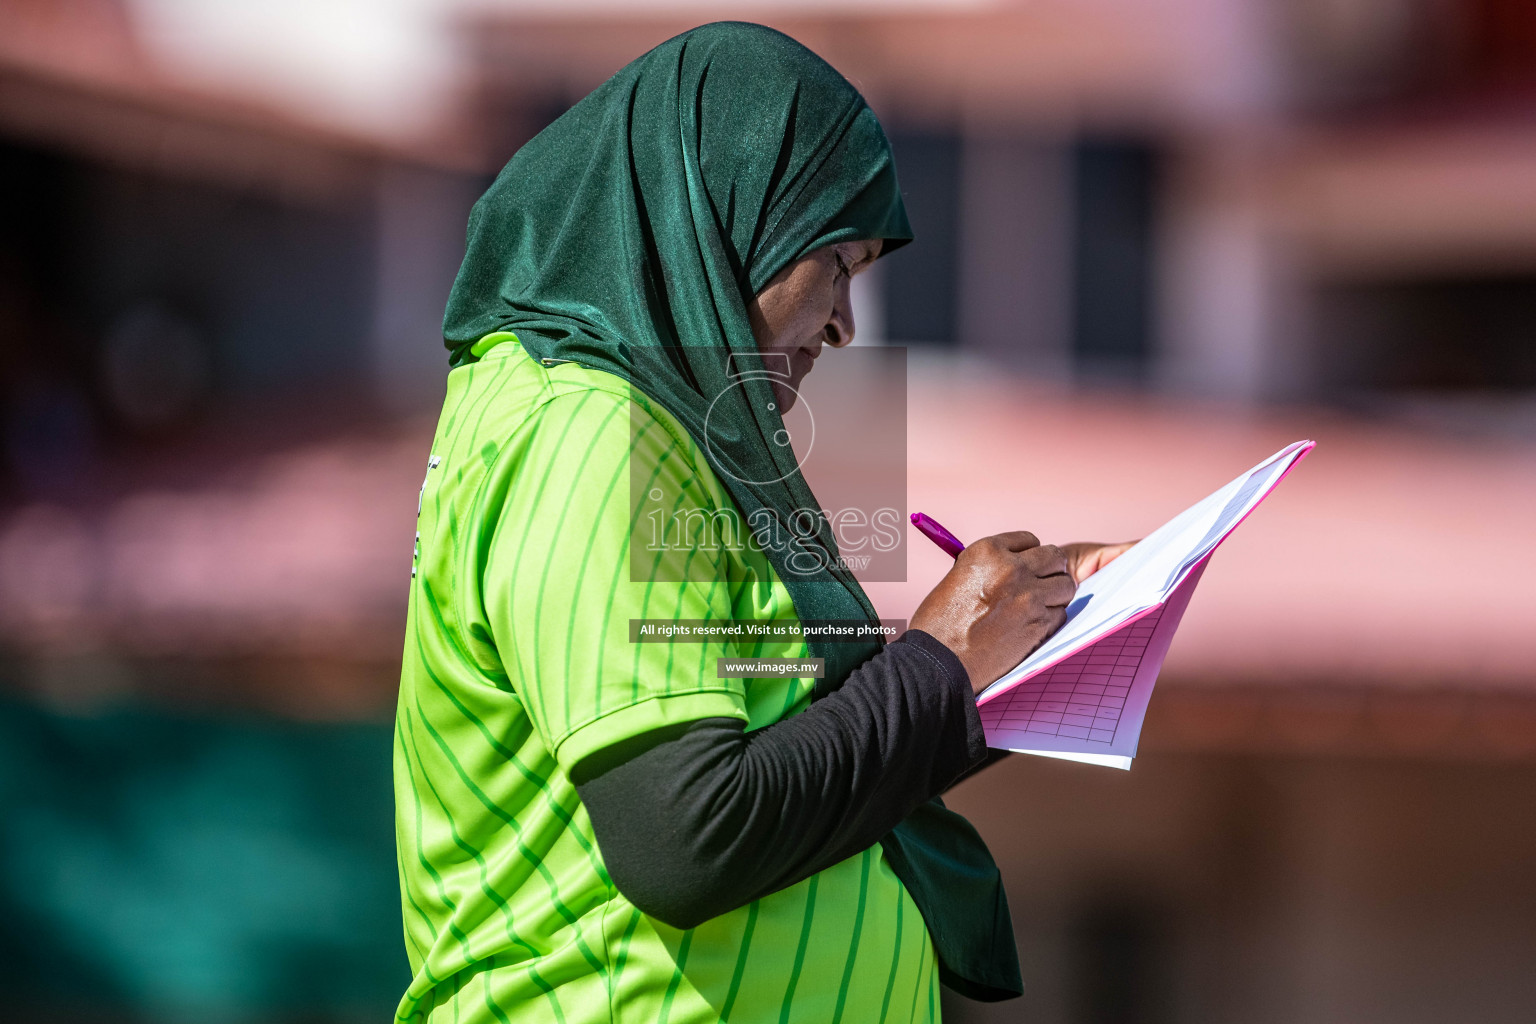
(711, 817)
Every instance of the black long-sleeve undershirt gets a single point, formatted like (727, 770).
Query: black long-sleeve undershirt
(701, 819)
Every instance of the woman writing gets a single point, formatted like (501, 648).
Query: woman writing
(596, 829)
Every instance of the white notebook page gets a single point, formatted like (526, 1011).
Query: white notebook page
(1082, 694)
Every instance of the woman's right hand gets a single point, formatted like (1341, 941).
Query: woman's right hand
(1006, 594)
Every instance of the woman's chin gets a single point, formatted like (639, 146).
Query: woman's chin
(785, 396)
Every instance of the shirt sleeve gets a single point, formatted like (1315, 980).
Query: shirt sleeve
(710, 818)
(573, 560)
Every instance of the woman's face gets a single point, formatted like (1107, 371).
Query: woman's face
(807, 305)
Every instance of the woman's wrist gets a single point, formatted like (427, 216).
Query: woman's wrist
(952, 672)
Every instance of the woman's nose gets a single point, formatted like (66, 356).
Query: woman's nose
(840, 325)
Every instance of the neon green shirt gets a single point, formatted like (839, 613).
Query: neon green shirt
(518, 663)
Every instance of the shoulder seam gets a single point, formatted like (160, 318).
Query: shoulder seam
(653, 411)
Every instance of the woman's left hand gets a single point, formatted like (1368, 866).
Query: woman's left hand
(1087, 557)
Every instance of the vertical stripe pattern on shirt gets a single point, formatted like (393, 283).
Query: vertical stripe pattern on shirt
(518, 662)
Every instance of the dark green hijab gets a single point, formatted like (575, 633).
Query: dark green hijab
(628, 237)
(645, 217)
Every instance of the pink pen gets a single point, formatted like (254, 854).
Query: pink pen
(930, 528)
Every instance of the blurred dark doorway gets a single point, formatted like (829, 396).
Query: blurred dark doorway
(920, 285)
(1115, 182)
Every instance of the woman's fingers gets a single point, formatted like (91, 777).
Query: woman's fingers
(1005, 595)
(1088, 557)
(1056, 591)
(1046, 560)
(1014, 540)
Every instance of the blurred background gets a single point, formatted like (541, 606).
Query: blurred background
(1158, 241)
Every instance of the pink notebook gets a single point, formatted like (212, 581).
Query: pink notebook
(1082, 695)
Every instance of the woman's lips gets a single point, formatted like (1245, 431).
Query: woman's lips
(802, 362)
